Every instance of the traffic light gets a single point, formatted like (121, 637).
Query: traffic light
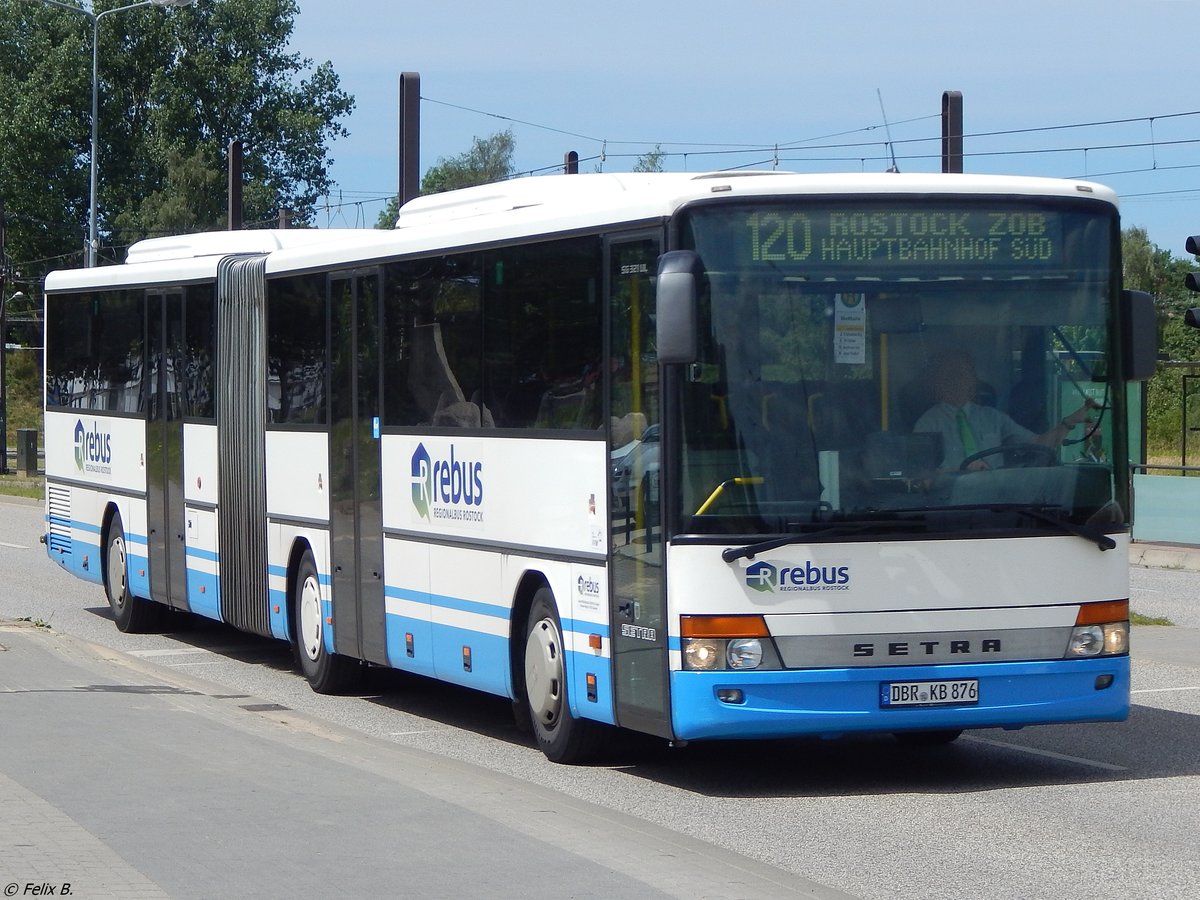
(1192, 280)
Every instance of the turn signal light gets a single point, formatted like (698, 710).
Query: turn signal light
(723, 627)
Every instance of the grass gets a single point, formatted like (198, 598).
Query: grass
(18, 486)
(1139, 619)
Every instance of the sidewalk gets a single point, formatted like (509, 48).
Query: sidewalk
(123, 779)
(1165, 556)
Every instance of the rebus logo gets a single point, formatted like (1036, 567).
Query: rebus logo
(761, 576)
(422, 481)
(450, 488)
(768, 577)
(93, 449)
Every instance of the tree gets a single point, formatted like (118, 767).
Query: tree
(1146, 267)
(387, 218)
(652, 161)
(488, 160)
(175, 87)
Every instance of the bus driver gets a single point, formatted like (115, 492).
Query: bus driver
(967, 427)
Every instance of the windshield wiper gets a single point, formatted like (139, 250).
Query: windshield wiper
(1099, 538)
(729, 554)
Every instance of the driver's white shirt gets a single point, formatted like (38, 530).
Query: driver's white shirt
(990, 426)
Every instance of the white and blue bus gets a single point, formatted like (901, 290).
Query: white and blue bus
(642, 451)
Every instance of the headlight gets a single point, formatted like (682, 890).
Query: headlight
(702, 654)
(744, 653)
(723, 643)
(1101, 629)
(1110, 639)
(1086, 641)
(1116, 637)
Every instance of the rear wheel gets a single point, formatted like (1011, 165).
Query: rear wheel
(561, 736)
(327, 673)
(133, 615)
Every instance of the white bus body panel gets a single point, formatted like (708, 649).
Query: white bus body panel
(542, 506)
(870, 587)
(297, 512)
(93, 460)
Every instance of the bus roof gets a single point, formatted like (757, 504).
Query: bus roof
(523, 208)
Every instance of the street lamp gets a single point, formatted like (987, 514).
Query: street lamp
(93, 241)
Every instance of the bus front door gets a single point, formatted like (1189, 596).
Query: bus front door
(356, 503)
(637, 591)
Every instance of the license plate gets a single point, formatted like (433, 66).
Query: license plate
(929, 693)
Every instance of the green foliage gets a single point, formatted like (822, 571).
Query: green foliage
(652, 161)
(489, 159)
(1154, 270)
(176, 85)
(387, 218)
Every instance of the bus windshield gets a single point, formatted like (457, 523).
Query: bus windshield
(900, 367)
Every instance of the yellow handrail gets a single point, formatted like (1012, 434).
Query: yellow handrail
(736, 482)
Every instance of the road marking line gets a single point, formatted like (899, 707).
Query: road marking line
(180, 665)
(176, 651)
(1166, 690)
(1050, 754)
(13, 546)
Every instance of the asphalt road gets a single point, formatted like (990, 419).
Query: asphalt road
(1096, 810)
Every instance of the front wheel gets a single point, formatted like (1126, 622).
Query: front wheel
(561, 736)
(133, 615)
(327, 673)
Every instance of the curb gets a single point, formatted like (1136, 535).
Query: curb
(1159, 556)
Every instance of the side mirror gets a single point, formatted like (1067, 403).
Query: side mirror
(1191, 318)
(677, 298)
(1139, 335)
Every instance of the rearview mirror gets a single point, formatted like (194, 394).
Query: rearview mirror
(677, 293)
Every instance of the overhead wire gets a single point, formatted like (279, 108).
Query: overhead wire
(796, 151)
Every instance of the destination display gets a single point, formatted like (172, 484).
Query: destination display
(901, 236)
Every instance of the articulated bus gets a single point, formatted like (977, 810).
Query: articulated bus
(649, 452)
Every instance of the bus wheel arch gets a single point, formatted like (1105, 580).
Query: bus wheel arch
(545, 687)
(531, 582)
(132, 614)
(327, 673)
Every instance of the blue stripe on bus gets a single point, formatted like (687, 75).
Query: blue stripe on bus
(327, 625)
(579, 626)
(207, 604)
(277, 610)
(197, 553)
(438, 652)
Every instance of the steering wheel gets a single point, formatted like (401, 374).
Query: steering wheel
(1016, 456)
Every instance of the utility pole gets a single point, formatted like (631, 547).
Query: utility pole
(4, 270)
(952, 131)
(235, 185)
(410, 137)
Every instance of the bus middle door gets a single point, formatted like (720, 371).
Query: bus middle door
(356, 502)
(165, 515)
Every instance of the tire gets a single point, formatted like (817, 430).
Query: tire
(133, 615)
(560, 736)
(327, 673)
(928, 738)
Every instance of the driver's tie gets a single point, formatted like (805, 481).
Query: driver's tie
(966, 434)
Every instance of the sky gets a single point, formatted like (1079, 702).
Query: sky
(1104, 90)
